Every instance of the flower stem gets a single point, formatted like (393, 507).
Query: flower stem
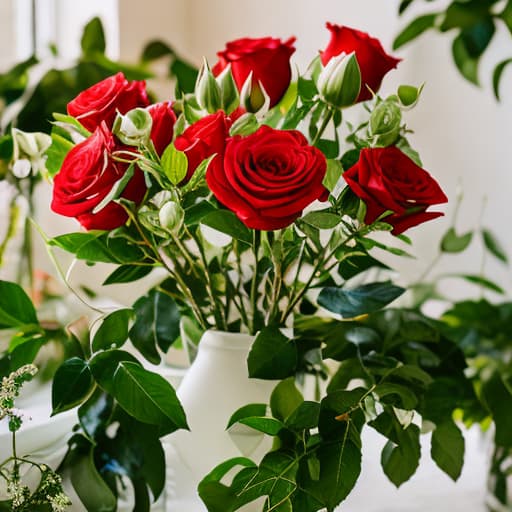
(256, 238)
(329, 113)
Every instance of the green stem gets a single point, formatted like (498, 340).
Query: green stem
(256, 238)
(173, 267)
(329, 113)
(219, 312)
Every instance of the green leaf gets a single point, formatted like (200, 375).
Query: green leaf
(72, 242)
(128, 273)
(90, 487)
(483, 282)
(247, 411)
(148, 397)
(113, 330)
(304, 417)
(493, 246)
(269, 426)
(364, 299)
(274, 478)
(333, 406)
(228, 223)
(73, 122)
(415, 29)
(453, 243)
(185, 74)
(155, 50)
(157, 324)
(401, 454)
(333, 176)
(104, 365)
(322, 220)
(406, 397)
(72, 383)
(466, 64)
(506, 15)
(93, 38)
(496, 76)
(340, 466)
(478, 37)
(217, 496)
(16, 308)
(466, 14)
(56, 153)
(447, 448)
(96, 250)
(174, 164)
(404, 5)
(272, 355)
(357, 263)
(499, 401)
(409, 95)
(95, 413)
(285, 399)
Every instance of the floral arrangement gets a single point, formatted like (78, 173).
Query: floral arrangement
(263, 216)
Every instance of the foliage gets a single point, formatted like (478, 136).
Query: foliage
(474, 23)
(48, 494)
(110, 387)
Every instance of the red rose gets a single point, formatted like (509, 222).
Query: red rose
(373, 61)
(162, 129)
(87, 176)
(101, 101)
(387, 179)
(203, 139)
(267, 58)
(268, 177)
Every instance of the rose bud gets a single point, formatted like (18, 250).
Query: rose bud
(228, 91)
(339, 82)
(267, 58)
(171, 217)
(207, 90)
(373, 61)
(134, 127)
(253, 97)
(29, 152)
(385, 122)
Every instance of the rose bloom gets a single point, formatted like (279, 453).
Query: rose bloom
(87, 175)
(269, 177)
(387, 179)
(101, 101)
(373, 61)
(162, 129)
(268, 59)
(203, 139)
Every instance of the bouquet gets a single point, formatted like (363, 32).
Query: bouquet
(260, 202)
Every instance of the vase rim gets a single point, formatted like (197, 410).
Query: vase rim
(226, 340)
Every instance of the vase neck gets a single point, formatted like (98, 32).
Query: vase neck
(226, 340)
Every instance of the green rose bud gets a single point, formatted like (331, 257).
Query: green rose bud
(253, 97)
(339, 82)
(385, 122)
(171, 217)
(207, 90)
(29, 152)
(228, 91)
(134, 127)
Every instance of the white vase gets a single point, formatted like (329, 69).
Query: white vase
(215, 386)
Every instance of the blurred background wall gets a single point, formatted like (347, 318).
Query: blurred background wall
(462, 133)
